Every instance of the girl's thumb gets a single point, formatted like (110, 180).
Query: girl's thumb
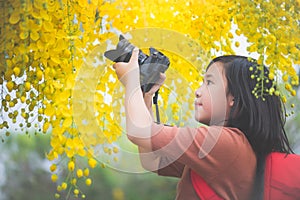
(135, 55)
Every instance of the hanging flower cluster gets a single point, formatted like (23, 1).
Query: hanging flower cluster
(276, 40)
(45, 43)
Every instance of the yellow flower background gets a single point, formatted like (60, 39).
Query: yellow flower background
(45, 43)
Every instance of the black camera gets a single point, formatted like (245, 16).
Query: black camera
(150, 66)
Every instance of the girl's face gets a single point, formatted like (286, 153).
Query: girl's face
(212, 103)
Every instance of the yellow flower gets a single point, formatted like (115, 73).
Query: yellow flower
(39, 75)
(46, 125)
(115, 149)
(27, 86)
(52, 155)
(17, 71)
(57, 196)
(116, 159)
(79, 173)
(176, 117)
(9, 85)
(88, 181)
(74, 181)
(284, 99)
(71, 165)
(53, 167)
(86, 172)
(271, 76)
(34, 35)
(76, 191)
(64, 186)
(92, 162)
(288, 87)
(175, 107)
(59, 188)
(24, 35)
(54, 177)
(271, 91)
(14, 18)
(67, 122)
(285, 78)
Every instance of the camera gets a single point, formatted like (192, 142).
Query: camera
(150, 66)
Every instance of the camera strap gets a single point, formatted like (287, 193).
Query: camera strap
(156, 106)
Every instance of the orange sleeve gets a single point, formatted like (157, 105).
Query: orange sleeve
(167, 168)
(207, 150)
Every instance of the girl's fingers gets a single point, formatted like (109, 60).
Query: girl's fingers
(162, 78)
(128, 71)
(135, 55)
(159, 83)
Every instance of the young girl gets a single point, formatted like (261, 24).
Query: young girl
(229, 152)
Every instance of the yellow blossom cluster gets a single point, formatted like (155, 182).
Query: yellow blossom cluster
(50, 48)
(275, 39)
(43, 44)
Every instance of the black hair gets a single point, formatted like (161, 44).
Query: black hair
(261, 119)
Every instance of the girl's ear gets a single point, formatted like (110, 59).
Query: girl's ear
(230, 100)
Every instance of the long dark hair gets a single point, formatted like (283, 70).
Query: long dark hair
(261, 120)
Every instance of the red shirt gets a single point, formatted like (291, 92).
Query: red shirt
(221, 155)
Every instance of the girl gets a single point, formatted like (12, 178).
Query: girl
(229, 152)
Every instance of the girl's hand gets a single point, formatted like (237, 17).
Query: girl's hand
(128, 73)
(148, 95)
(156, 86)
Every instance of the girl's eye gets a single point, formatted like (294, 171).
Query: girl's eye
(208, 82)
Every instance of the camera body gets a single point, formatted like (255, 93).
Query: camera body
(150, 66)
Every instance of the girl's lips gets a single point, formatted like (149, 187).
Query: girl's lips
(198, 104)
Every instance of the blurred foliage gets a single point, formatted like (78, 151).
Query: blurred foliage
(292, 126)
(26, 176)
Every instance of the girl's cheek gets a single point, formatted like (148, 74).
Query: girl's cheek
(207, 103)
(207, 111)
(219, 103)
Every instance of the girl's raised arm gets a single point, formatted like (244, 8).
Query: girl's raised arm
(138, 117)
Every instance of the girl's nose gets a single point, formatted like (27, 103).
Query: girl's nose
(198, 93)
